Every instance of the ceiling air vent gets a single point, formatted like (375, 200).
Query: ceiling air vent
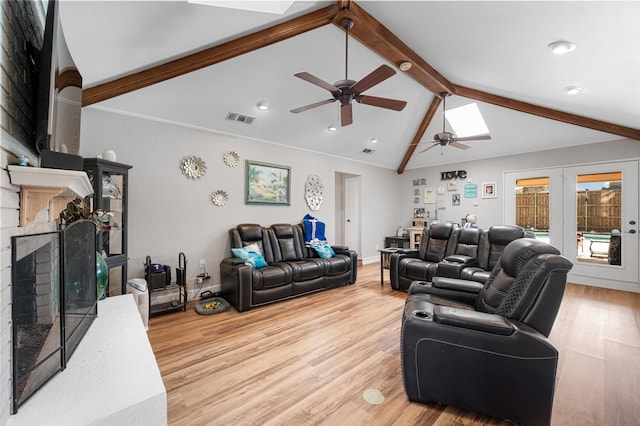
(241, 118)
(368, 151)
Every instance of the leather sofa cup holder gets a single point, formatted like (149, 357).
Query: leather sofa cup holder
(422, 315)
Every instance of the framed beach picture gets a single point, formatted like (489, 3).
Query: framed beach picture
(489, 190)
(267, 183)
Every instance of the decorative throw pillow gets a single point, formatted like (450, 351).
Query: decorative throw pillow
(254, 247)
(324, 251)
(251, 255)
(257, 260)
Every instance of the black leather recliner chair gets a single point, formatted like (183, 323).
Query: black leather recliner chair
(471, 241)
(438, 241)
(491, 246)
(492, 356)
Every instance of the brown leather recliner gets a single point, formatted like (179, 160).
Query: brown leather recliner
(491, 355)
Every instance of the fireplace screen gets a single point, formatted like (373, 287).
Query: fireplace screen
(37, 324)
(80, 287)
(50, 319)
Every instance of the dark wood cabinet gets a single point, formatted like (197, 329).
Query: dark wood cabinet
(110, 181)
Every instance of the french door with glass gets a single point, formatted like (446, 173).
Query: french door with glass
(589, 212)
(601, 215)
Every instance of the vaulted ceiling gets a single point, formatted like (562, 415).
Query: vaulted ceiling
(192, 64)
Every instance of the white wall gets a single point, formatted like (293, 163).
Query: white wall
(490, 211)
(169, 213)
(10, 149)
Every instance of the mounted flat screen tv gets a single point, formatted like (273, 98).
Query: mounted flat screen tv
(59, 90)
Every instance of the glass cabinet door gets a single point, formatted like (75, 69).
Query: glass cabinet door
(110, 241)
(109, 204)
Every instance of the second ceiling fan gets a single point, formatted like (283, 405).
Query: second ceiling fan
(445, 138)
(346, 91)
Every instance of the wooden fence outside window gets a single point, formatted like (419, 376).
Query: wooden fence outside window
(598, 210)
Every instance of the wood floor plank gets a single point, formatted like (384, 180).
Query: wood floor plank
(622, 390)
(579, 395)
(307, 361)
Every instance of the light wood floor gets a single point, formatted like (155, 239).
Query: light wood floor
(309, 360)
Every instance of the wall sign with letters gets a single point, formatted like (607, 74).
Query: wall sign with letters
(454, 174)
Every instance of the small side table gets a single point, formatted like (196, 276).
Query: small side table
(385, 254)
(396, 242)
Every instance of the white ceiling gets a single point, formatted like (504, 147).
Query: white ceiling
(496, 47)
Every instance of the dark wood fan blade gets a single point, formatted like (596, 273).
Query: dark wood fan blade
(475, 138)
(346, 114)
(317, 104)
(378, 75)
(318, 82)
(433, 145)
(460, 145)
(387, 103)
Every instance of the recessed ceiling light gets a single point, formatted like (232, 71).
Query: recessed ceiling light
(573, 90)
(373, 141)
(561, 47)
(262, 105)
(332, 128)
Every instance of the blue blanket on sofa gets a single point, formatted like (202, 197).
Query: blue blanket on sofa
(313, 231)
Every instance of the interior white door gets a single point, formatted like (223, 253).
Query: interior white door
(586, 242)
(352, 213)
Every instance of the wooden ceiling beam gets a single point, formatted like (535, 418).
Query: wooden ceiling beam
(549, 113)
(431, 112)
(210, 56)
(372, 34)
(368, 31)
(68, 78)
(344, 4)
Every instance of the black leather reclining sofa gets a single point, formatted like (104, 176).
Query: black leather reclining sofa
(446, 250)
(292, 268)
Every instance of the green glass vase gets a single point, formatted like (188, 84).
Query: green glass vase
(102, 276)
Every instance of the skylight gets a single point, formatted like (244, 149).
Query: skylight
(466, 121)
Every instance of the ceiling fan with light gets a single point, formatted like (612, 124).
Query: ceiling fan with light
(346, 91)
(445, 138)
